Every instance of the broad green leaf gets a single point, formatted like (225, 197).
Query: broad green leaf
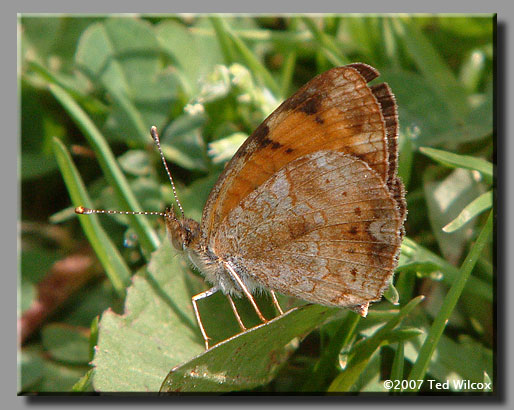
(255, 355)
(182, 142)
(66, 343)
(30, 370)
(40, 375)
(121, 56)
(136, 162)
(157, 331)
(193, 54)
(479, 205)
(411, 103)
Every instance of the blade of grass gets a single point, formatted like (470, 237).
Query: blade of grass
(364, 350)
(253, 63)
(327, 365)
(146, 235)
(420, 367)
(287, 72)
(418, 253)
(131, 113)
(226, 45)
(398, 363)
(475, 208)
(85, 383)
(327, 43)
(115, 267)
(432, 65)
(406, 156)
(452, 160)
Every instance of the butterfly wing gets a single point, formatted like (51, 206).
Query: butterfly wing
(335, 111)
(324, 228)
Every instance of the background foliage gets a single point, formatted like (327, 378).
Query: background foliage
(114, 314)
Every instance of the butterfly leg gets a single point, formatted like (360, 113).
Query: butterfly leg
(236, 313)
(275, 302)
(194, 299)
(247, 293)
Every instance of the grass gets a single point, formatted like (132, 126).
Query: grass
(90, 90)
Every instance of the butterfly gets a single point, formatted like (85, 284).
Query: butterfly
(309, 206)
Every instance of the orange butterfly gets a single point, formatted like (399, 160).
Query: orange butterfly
(309, 206)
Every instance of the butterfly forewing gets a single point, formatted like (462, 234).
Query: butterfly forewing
(335, 111)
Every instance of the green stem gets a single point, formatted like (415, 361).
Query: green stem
(450, 301)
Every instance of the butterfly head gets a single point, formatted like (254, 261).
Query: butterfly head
(182, 232)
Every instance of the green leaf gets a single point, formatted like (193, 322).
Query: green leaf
(194, 55)
(249, 58)
(326, 368)
(114, 265)
(452, 160)
(433, 66)
(121, 55)
(392, 295)
(361, 353)
(398, 363)
(327, 43)
(66, 343)
(255, 355)
(157, 331)
(223, 149)
(413, 252)
(450, 301)
(182, 142)
(85, 383)
(113, 174)
(445, 200)
(40, 375)
(479, 205)
(450, 360)
(30, 368)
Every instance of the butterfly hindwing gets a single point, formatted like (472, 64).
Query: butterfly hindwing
(324, 228)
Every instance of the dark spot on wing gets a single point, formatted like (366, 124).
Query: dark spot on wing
(289, 150)
(353, 230)
(312, 105)
(297, 229)
(260, 135)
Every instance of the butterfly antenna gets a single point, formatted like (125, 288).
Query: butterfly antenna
(82, 210)
(155, 137)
